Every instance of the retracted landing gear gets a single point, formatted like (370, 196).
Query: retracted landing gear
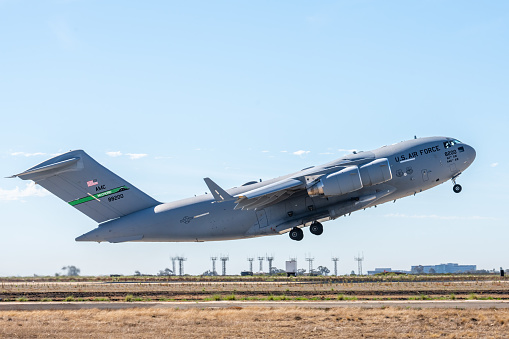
(457, 187)
(316, 228)
(296, 234)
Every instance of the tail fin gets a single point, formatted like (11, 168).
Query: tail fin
(92, 189)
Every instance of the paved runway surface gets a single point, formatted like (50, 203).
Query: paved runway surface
(470, 304)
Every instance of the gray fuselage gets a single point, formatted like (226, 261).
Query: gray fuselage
(416, 165)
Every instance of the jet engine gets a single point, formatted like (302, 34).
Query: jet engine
(345, 181)
(376, 172)
(352, 178)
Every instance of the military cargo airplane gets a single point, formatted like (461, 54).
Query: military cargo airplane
(281, 205)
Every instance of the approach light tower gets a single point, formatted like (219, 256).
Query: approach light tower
(261, 264)
(359, 260)
(224, 259)
(250, 264)
(213, 265)
(181, 265)
(270, 259)
(335, 259)
(310, 260)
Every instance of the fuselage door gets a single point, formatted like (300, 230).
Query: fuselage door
(424, 175)
(262, 218)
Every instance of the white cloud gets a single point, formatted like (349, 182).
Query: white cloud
(495, 164)
(284, 151)
(438, 217)
(134, 156)
(301, 152)
(31, 190)
(114, 154)
(265, 151)
(25, 154)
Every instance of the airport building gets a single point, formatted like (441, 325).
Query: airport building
(443, 268)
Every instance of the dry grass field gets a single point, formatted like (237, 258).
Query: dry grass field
(253, 322)
(252, 290)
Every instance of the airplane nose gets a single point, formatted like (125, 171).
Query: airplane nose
(470, 154)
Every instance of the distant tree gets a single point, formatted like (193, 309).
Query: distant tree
(323, 270)
(209, 273)
(165, 272)
(71, 270)
(301, 271)
(137, 273)
(276, 270)
(432, 271)
(353, 273)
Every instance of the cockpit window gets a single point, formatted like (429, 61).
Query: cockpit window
(451, 143)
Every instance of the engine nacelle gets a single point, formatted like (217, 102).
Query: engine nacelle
(345, 181)
(376, 172)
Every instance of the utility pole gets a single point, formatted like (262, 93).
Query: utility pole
(173, 259)
(335, 259)
(181, 265)
(261, 263)
(213, 265)
(250, 264)
(224, 259)
(310, 261)
(270, 259)
(359, 260)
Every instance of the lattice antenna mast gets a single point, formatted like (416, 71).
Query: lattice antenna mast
(181, 264)
(359, 260)
(335, 259)
(310, 261)
(250, 264)
(214, 272)
(261, 263)
(270, 260)
(224, 259)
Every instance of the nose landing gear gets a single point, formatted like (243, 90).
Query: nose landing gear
(457, 187)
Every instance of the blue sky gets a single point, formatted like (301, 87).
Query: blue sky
(166, 93)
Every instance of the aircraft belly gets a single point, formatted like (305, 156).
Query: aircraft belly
(203, 221)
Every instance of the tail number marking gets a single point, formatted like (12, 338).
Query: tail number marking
(115, 197)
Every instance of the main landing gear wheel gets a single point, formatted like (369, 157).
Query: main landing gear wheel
(456, 188)
(316, 228)
(296, 234)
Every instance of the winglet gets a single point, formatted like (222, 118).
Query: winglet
(219, 194)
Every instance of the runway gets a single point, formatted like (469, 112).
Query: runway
(443, 304)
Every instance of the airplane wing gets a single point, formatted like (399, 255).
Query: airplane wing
(270, 194)
(283, 189)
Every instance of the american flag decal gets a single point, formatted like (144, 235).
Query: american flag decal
(92, 182)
